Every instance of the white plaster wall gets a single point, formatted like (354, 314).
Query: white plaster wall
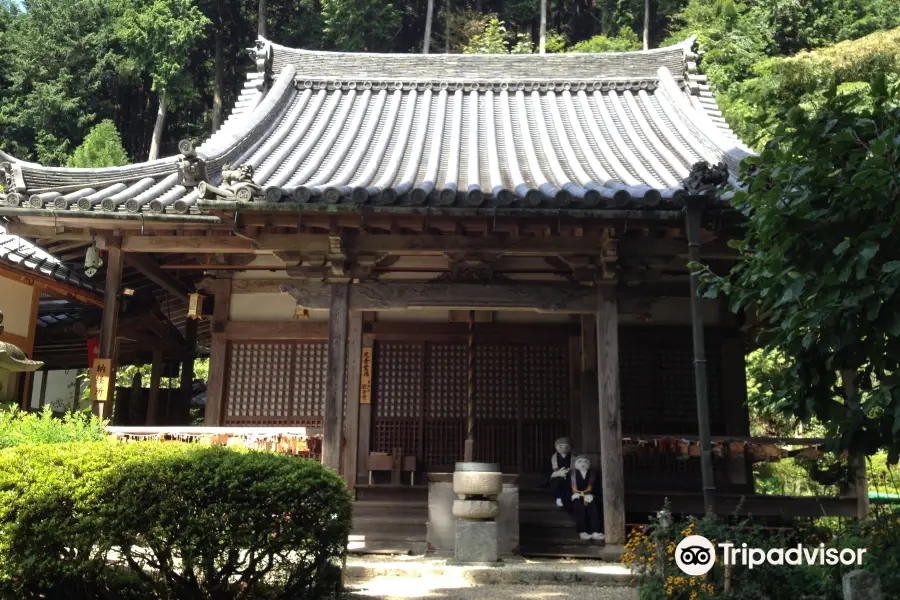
(60, 388)
(273, 306)
(15, 303)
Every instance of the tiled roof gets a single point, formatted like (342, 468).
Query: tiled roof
(343, 130)
(23, 255)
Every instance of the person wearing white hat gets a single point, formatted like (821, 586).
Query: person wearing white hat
(586, 504)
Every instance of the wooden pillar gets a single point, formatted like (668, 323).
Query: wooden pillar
(218, 350)
(365, 419)
(115, 259)
(612, 472)
(155, 376)
(575, 405)
(135, 401)
(334, 382)
(186, 392)
(734, 406)
(42, 398)
(351, 424)
(590, 409)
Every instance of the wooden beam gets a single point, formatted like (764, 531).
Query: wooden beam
(215, 393)
(644, 247)
(52, 287)
(155, 376)
(149, 268)
(334, 382)
(186, 244)
(115, 261)
(351, 423)
(312, 243)
(280, 330)
(611, 467)
(452, 296)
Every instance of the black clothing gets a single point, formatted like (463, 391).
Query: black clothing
(588, 517)
(559, 486)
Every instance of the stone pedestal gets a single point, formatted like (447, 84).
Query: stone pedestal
(476, 541)
(441, 527)
(861, 585)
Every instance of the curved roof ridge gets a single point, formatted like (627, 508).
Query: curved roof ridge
(566, 66)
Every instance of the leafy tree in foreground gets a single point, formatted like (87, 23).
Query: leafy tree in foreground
(821, 265)
(101, 148)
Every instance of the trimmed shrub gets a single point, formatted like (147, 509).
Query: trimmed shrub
(17, 427)
(103, 520)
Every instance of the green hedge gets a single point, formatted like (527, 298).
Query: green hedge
(150, 520)
(17, 427)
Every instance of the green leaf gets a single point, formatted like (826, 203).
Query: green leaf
(841, 248)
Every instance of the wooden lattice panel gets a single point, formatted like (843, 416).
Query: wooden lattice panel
(275, 383)
(444, 443)
(310, 373)
(398, 372)
(446, 381)
(537, 442)
(398, 380)
(546, 382)
(259, 385)
(657, 380)
(400, 433)
(496, 441)
(497, 382)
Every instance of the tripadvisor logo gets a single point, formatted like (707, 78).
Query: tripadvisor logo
(695, 555)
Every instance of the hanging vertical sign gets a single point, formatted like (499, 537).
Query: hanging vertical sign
(100, 379)
(93, 350)
(365, 380)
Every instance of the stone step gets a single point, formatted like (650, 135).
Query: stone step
(361, 569)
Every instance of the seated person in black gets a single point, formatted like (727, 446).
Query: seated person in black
(587, 503)
(556, 473)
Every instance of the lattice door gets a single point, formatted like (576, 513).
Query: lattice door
(658, 397)
(275, 383)
(398, 397)
(545, 400)
(446, 386)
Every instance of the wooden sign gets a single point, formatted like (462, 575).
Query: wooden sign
(365, 379)
(100, 379)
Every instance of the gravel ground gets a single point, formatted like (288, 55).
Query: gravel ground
(415, 589)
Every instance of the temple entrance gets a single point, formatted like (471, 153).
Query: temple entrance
(522, 401)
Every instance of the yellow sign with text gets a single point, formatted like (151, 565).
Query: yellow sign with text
(365, 380)
(100, 379)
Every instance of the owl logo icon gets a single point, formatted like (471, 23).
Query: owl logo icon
(695, 555)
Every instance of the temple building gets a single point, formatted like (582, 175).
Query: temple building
(436, 257)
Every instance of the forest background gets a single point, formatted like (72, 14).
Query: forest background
(163, 70)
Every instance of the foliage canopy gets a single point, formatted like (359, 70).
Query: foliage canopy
(821, 264)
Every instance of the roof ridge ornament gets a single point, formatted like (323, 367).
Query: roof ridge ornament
(191, 167)
(706, 180)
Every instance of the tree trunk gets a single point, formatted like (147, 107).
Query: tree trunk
(263, 15)
(447, 26)
(156, 142)
(218, 89)
(543, 40)
(646, 24)
(859, 480)
(428, 14)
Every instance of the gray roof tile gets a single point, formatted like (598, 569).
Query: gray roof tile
(568, 131)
